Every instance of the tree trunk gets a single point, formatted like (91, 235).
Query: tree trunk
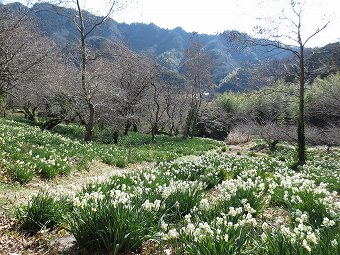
(90, 125)
(154, 131)
(134, 128)
(194, 123)
(301, 117)
(127, 128)
(115, 137)
(188, 124)
(3, 104)
(88, 134)
(172, 127)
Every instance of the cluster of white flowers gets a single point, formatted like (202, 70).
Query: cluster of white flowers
(204, 204)
(217, 229)
(328, 223)
(16, 138)
(88, 199)
(43, 156)
(322, 169)
(179, 186)
(302, 234)
(154, 187)
(204, 168)
(60, 191)
(151, 206)
(119, 197)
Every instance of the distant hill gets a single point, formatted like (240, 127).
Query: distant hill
(319, 62)
(231, 66)
(324, 60)
(162, 43)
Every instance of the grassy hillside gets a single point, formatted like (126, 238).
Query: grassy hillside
(26, 151)
(235, 200)
(216, 204)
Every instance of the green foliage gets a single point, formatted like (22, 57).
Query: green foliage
(71, 131)
(43, 211)
(252, 154)
(26, 151)
(232, 102)
(311, 203)
(180, 202)
(235, 241)
(108, 227)
(266, 104)
(278, 243)
(20, 173)
(322, 99)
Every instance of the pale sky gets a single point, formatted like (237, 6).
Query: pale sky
(215, 16)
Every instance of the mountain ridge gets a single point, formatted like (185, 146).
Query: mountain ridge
(166, 45)
(141, 37)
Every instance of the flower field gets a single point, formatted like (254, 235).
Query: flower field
(216, 204)
(26, 151)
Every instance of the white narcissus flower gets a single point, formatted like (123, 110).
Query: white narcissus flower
(204, 204)
(173, 234)
(328, 223)
(265, 226)
(167, 251)
(334, 242)
(164, 226)
(187, 218)
(190, 228)
(306, 246)
(312, 237)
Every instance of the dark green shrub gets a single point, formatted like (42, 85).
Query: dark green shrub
(43, 211)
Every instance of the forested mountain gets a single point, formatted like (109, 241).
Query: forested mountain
(165, 44)
(236, 68)
(319, 62)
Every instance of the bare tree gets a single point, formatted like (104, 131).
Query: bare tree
(39, 85)
(156, 107)
(133, 74)
(197, 67)
(176, 108)
(22, 48)
(286, 32)
(123, 78)
(85, 27)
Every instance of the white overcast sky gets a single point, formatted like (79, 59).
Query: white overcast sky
(214, 16)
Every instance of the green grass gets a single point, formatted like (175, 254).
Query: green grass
(26, 151)
(43, 211)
